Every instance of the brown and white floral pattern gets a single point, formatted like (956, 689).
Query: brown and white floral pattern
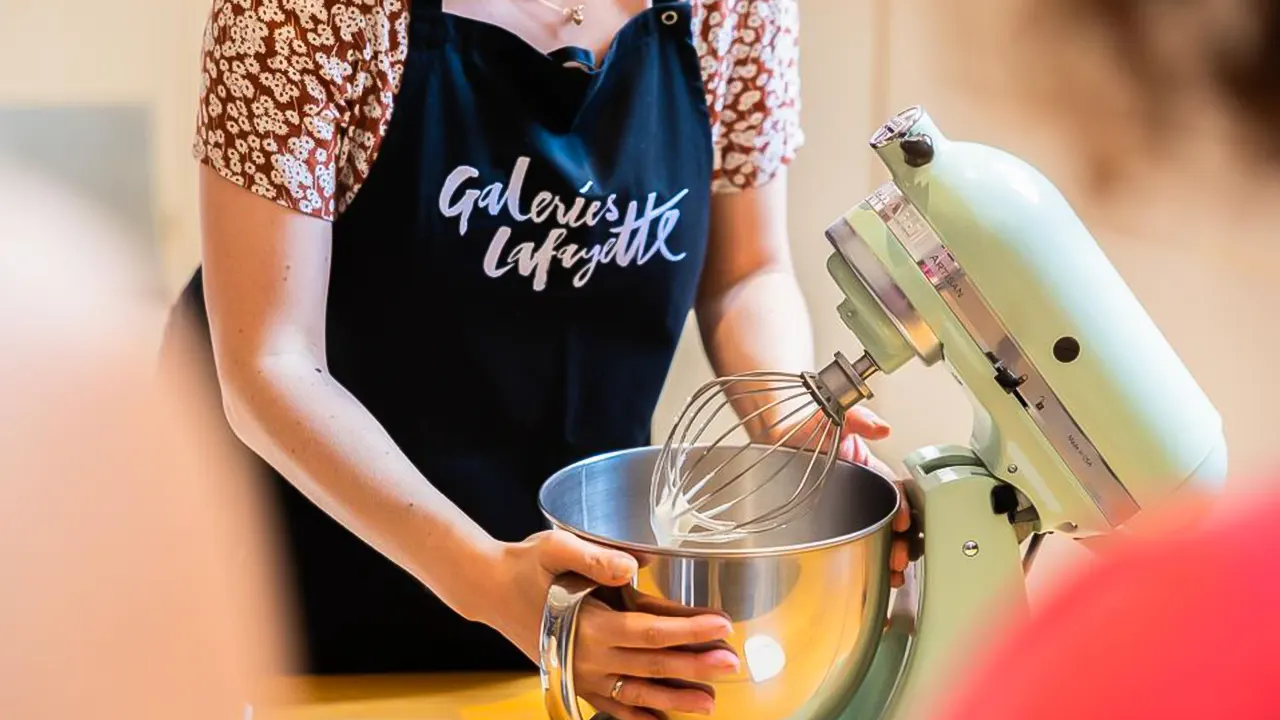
(296, 94)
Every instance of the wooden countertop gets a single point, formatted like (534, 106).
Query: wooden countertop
(426, 697)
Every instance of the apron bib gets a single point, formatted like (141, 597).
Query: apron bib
(506, 294)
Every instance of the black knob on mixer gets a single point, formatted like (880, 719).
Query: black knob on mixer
(917, 150)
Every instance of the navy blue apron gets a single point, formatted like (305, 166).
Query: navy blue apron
(506, 294)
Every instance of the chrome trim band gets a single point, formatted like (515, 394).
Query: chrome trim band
(895, 303)
(965, 300)
(897, 127)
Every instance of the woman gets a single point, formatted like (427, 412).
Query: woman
(442, 260)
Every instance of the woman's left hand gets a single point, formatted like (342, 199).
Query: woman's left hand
(861, 425)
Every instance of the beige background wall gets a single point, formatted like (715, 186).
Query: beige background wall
(113, 53)
(1202, 268)
(1198, 251)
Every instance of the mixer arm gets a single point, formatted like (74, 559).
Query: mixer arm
(969, 577)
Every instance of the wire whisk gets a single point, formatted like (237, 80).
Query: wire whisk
(721, 491)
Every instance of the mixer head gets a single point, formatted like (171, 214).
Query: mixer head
(701, 493)
(969, 257)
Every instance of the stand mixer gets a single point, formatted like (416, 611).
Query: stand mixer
(1084, 415)
(971, 260)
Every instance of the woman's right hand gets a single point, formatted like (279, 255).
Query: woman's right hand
(633, 646)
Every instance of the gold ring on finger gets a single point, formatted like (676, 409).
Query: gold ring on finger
(617, 688)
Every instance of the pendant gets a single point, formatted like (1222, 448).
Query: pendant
(576, 14)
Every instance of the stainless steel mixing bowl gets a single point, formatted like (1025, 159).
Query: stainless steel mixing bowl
(808, 601)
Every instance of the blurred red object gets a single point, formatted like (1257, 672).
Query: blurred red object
(1187, 626)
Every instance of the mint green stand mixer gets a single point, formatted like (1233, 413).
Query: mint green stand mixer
(1084, 415)
(967, 259)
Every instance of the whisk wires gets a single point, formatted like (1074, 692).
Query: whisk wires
(684, 496)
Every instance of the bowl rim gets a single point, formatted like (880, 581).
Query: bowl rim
(712, 552)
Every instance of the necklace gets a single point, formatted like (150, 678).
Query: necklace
(573, 13)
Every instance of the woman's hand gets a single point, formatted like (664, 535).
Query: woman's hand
(632, 646)
(860, 425)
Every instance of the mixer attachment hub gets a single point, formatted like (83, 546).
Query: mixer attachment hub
(841, 385)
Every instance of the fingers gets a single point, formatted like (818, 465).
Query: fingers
(617, 709)
(564, 552)
(900, 552)
(638, 648)
(902, 520)
(640, 693)
(863, 422)
(853, 449)
(859, 424)
(899, 556)
(652, 632)
(879, 466)
(659, 664)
